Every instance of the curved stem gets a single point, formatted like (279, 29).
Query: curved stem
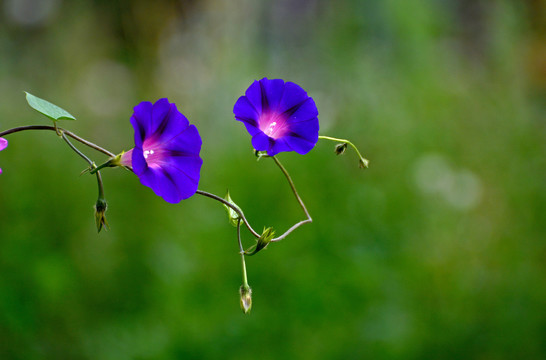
(293, 187)
(243, 218)
(235, 208)
(63, 135)
(101, 188)
(89, 161)
(363, 161)
(56, 129)
(242, 252)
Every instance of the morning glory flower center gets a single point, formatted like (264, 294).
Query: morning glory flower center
(146, 153)
(272, 124)
(153, 153)
(271, 127)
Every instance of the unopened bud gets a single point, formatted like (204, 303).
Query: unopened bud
(245, 293)
(233, 216)
(262, 242)
(340, 148)
(100, 218)
(363, 163)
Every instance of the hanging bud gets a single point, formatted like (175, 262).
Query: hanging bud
(245, 293)
(363, 163)
(100, 218)
(340, 148)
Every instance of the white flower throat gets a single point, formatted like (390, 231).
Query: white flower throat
(271, 128)
(148, 153)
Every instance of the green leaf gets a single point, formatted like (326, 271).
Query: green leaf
(48, 109)
(232, 214)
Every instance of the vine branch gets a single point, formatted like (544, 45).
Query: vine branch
(57, 130)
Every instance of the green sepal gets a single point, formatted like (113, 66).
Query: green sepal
(111, 162)
(260, 154)
(48, 109)
(267, 235)
(232, 214)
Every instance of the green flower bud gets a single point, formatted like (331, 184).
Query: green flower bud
(245, 293)
(340, 148)
(363, 163)
(100, 218)
(232, 214)
(264, 240)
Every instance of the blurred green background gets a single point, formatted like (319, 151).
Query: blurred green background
(436, 252)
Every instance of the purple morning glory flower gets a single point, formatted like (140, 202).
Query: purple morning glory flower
(166, 153)
(279, 116)
(3, 145)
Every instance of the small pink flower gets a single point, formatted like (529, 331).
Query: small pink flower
(3, 145)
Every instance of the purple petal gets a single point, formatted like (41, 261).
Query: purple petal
(160, 112)
(173, 125)
(262, 142)
(307, 130)
(161, 184)
(167, 121)
(169, 182)
(300, 145)
(254, 96)
(3, 144)
(252, 130)
(190, 165)
(245, 111)
(141, 120)
(187, 141)
(303, 135)
(138, 161)
(279, 146)
(186, 178)
(272, 92)
(307, 110)
(293, 98)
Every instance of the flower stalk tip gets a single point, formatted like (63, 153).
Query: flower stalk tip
(340, 148)
(100, 219)
(245, 296)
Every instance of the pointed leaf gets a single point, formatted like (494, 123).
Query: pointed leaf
(48, 109)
